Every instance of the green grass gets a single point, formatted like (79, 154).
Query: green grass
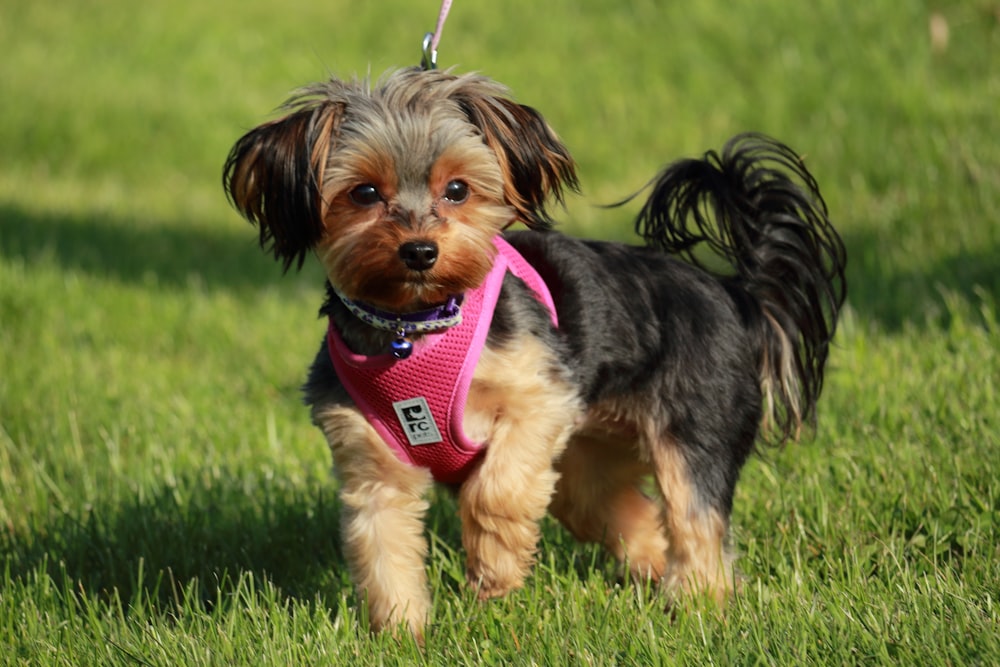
(163, 498)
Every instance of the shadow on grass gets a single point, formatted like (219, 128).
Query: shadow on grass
(145, 252)
(891, 297)
(190, 544)
(192, 540)
(229, 258)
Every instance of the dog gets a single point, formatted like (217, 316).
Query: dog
(595, 367)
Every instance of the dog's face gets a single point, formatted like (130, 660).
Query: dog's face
(398, 187)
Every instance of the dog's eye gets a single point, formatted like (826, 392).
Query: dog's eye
(456, 192)
(365, 194)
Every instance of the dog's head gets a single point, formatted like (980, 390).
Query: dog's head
(399, 186)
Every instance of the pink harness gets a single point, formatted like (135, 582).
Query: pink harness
(417, 404)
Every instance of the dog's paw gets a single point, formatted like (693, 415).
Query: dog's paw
(487, 590)
(497, 580)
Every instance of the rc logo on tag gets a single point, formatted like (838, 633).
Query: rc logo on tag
(417, 421)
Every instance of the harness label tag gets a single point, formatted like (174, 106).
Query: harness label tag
(417, 421)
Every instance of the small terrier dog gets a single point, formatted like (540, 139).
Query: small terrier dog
(587, 367)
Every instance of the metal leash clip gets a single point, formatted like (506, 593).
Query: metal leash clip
(428, 59)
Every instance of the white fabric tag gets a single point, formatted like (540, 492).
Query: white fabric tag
(417, 421)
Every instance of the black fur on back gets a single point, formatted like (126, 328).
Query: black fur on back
(697, 354)
(667, 337)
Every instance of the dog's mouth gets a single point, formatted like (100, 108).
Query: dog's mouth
(395, 287)
(409, 290)
(416, 276)
(413, 292)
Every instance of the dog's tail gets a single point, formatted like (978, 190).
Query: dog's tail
(771, 226)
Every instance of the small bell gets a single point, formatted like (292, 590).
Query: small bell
(401, 348)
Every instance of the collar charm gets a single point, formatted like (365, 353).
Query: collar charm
(405, 325)
(401, 348)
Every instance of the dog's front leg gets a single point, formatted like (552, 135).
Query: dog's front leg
(382, 513)
(501, 506)
(527, 414)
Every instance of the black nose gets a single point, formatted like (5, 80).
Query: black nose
(419, 255)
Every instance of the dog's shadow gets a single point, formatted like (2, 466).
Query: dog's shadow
(193, 541)
(172, 253)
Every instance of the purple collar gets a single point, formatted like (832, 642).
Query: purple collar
(405, 325)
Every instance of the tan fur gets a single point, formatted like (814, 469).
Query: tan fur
(697, 560)
(382, 520)
(778, 376)
(406, 139)
(673, 539)
(526, 415)
(598, 499)
(417, 142)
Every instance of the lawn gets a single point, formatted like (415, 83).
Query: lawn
(163, 497)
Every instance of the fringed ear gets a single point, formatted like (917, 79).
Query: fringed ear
(535, 163)
(274, 176)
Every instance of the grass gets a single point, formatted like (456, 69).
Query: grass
(163, 499)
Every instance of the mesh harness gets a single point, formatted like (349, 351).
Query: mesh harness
(417, 404)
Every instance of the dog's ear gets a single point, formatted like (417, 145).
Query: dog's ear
(535, 163)
(274, 176)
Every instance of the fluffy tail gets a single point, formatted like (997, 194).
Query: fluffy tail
(758, 207)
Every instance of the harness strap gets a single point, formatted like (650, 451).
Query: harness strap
(417, 405)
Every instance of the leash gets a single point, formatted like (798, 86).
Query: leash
(429, 52)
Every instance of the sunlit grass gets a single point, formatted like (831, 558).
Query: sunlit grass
(163, 497)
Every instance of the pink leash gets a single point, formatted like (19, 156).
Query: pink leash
(432, 39)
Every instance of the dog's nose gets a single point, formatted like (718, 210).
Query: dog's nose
(419, 255)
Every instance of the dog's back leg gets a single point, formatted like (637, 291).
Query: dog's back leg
(696, 525)
(598, 498)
